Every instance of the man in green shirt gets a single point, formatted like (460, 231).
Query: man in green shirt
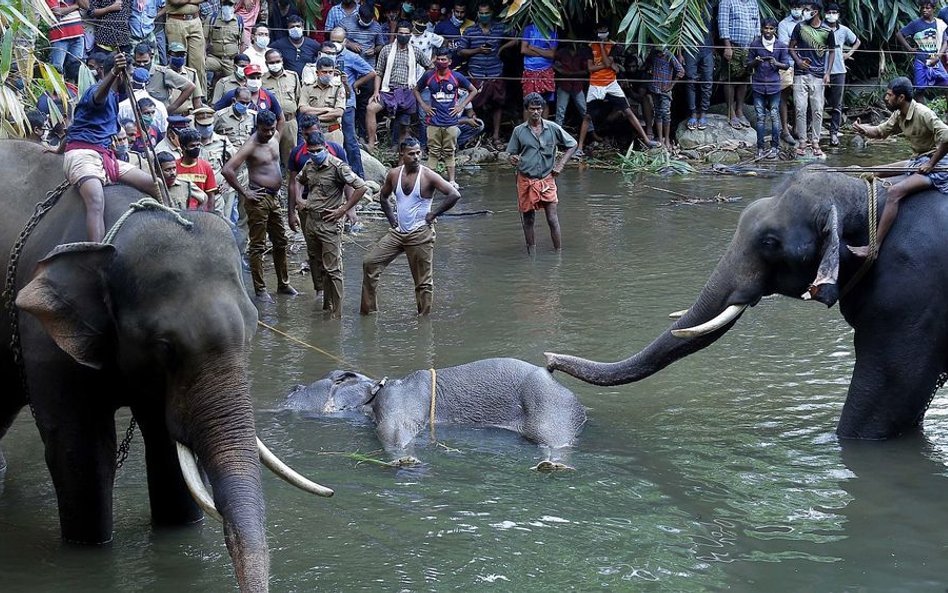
(926, 133)
(532, 150)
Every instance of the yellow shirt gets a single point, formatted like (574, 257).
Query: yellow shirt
(920, 126)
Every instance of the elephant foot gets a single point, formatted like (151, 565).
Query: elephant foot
(552, 466)
(407, 461)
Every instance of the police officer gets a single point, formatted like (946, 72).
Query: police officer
(163, 81)
(232, 81)
(223, 41)
(177, 57)
(236, 121)
(170, 142)
(217, 150)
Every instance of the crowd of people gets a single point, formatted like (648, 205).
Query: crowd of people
(230, 101)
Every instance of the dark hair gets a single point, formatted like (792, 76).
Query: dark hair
(768, 22)
(923, 3)
(408, 142)
(602, 25)
(306, 121)
(267, 53)
(242, 89)
(403, 25)
(266, 118)
(325, 62)
(486, 3)
(832, 6)
(145, 102)
(96, 56)
(257, 27)
(315, 138)
(187, 136)
(817, 4)
(533, 99)
(107, 62)
(442, 51)
(165, 157)
(36, 119)
(125, 121)
(241, 58)
(142, 49)
(902, 86)
(367, 12)
(294, 18)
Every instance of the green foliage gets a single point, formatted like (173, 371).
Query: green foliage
(939, 105)
(545, 14)
(652, 162)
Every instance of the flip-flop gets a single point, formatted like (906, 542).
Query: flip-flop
(692, 123)
(735, 123)
(702, 123)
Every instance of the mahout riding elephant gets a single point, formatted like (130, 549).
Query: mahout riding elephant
(496, 392)
(795, 244)
(160, 321)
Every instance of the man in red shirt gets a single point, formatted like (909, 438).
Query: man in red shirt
(196, 170)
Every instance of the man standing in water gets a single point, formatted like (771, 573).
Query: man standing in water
(412, 231)
(261, 152)
(532, 150)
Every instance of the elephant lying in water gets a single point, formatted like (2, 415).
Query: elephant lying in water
(158, 320)
(794, 244)
(497, 392)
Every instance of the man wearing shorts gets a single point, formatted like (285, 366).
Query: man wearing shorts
(738, 25)
(605, 94)
(532, 150)
(538, 51)
(89, 161)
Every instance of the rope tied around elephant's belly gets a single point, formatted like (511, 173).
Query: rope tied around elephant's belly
(434, 397)
(144, 204)
(872, 193)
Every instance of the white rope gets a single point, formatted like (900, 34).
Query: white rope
(144, 204)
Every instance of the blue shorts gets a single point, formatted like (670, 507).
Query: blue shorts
(939, 178)
(929, 76)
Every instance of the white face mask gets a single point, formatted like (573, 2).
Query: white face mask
(808, 14)
(254, 85)
(227, 13)
(796, 13)
(832, 18)
(275, 68)
(603, 35)
(296, 33)
(262, 42)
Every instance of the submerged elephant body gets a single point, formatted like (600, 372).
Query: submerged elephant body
(794, 244)
(160, 321)
(497, 392)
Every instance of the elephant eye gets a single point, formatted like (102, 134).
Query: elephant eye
(770, 242)
(342, 377)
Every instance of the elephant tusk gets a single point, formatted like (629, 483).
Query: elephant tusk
(192, 477)
(726, 316)
(677, 314)
(276, 465)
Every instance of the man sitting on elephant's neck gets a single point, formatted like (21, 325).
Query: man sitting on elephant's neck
(89, 161)
(925, 132)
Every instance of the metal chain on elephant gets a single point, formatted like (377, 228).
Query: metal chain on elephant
(939, 383)
(16, 251)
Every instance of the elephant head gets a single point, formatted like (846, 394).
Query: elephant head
(163, 312)
(337, 392)
(789, 244)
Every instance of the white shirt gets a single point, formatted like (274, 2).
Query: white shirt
(161, 112)
(411, 209)
(257, 56)
(426, 42)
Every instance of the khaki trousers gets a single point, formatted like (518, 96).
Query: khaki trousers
(191, 35)
(442, 144)
(418, 247)
(288, 138)
(265, 219)
(324, 249)
(219, 67)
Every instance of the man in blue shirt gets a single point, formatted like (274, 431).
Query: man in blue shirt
(926, 45)
(538, 52)
(452, 28)
(358, 74)
(89, 162)
(142, 22)
(297, 49)
(445, 110)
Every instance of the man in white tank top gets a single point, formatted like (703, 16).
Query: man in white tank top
(412, 230)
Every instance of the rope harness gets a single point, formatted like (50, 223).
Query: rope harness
(872, 221)
(434, 397)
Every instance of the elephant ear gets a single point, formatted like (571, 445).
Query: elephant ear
(824, 287)
(68, 295)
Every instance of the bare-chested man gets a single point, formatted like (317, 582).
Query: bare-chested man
(411, 231)
(261, 152)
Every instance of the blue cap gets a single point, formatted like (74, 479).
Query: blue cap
(141, 75)
(179, 121)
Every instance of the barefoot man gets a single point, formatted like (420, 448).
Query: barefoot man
(411, 231)
(925, 132)
(261, 152)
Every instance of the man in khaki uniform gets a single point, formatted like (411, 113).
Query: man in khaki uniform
(170, 142)
(179, 190)
(217, 150)
(285, 86)
(232, 81)
(223, 34)
(325, 99)
(183, 25)
(236, 121)
(326, 177)
(163, 81)
(177, 56)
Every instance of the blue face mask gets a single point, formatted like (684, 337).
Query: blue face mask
(240, 109)
(176, 62)
(205, 131)
(320, 157)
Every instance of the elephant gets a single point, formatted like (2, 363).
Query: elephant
(158, 320)
(496, 392)
(795, 244)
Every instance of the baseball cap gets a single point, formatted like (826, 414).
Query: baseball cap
(177, 47)
(252, 69)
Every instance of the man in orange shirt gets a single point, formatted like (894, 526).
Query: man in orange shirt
(196, 170)
(604, 92)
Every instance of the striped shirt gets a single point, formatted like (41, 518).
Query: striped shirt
(68, 26)
(484, 65)
(399, 77)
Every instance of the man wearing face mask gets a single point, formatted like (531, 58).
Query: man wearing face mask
(834, 94)
(223, 32)
(326, 100)
(340, 12)
(216, 150)
(170, 142)
(140, 78)
(784, 31)
(232, 81)
(813, 49)
(177, 58)
(260, 97)
(326, 179)
(285, 86)
(399, 67)
(258, 48)
(236, 121)
(364, 35)
(423, 38)
(297, 50)
(183, 25)
(123, 152)
(163, 81)
(359, 77)
(452, 28)
(191, 167)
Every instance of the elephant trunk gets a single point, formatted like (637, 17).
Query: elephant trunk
(218, 425)
(676, 342)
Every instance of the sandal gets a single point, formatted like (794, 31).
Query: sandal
(735, 123)
(817, 152)
(692, 123)
(801, 150)
(702, 123)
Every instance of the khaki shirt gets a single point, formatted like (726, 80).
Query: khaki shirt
(181, 191)
(920, 126)
(164, 81)
(217, 152)
(166, 146)
(326, 183)
(333, 96)
(190, 74)
(236, 129)
(223, 39)
(286, 88)
(228, 83)
(184, 9)
(137, 160)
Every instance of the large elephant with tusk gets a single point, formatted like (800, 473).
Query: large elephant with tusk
(795, 244)
(158, 319)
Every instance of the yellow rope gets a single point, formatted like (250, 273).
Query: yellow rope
(302, 343)
(873, 197)
(434, 396)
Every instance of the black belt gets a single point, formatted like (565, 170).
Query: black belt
(266, 190)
